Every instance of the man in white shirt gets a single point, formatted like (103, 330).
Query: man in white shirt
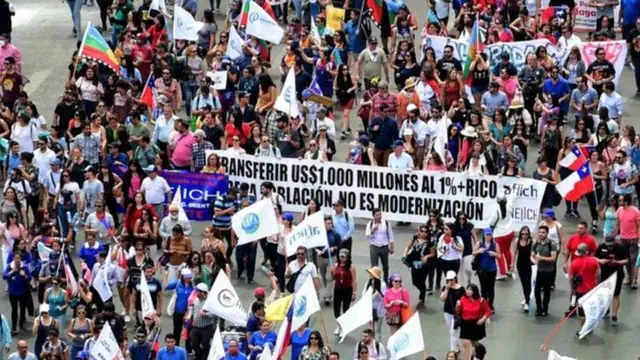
(568, 39)
(42, 158)
(322, 119)
(399, 159)
(303, 268)
(268, 191)
(266, 149)
(380, 236)
(376, 350)
(165, 124)
(52, 185)
(155, 187)
(611, 100)
(413, 122)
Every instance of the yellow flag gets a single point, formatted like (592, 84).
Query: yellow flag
(277, 310)
(335, 18)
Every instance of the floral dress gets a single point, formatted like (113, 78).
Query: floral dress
(306, 354)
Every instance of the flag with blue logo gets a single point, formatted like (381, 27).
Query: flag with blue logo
(305, 303)
(408, 340)
(287, 101)
(315, 87)
(255, 222)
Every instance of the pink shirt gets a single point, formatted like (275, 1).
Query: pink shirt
(628, 220)
(390, 295)
(10, 50)
(181, 155)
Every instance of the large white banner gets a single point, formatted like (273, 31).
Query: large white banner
(106, 347)
(616, 51)
(401, 195)
(596, 303)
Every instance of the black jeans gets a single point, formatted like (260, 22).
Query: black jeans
(178, 322)
(18, 302)
(594, 198)
(104, 7)
(488, 285)
(200, 339)
(341, 300)
(443, 267)
(524, 272)
(226, 234)
(419, 278)
(272, 255)
(281, 267)
(544, 280)
(346, 244)
(112, 204)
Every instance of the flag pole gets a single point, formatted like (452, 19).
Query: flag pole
(84, 40)
(61, 258)
(360, 18)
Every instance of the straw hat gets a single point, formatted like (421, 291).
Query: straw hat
(375, 271)
(469, 131)
(409, 83)
(516, 103)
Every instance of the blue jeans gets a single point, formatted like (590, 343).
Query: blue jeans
(74, 351)
(75, 6)
(188, 93)
(115, 33)
(64, 219)
(248, 250)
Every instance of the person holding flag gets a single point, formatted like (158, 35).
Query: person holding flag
(584, 274)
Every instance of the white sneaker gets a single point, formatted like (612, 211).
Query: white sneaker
(523, 302)
(127, 318)
(526, 308)
(336, 332)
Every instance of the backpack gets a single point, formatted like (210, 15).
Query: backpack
(369, 226)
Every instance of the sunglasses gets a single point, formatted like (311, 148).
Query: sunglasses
(314, 338)
(301, 254)
(397, 281)
(364, 352)
(422, 230)
(236, 140)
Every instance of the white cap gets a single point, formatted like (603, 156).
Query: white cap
(186, 272)
(411, 107)
(202, 287)
(450, 275)
(408, 132)
(44, 308)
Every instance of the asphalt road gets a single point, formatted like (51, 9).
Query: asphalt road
(43, 32)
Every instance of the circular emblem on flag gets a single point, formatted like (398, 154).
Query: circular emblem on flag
(179, 22)
(401, 343)
(300, 306)
(226, 298)
(250, 223)
(254, 17)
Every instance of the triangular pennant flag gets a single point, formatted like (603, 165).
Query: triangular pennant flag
(185, 27)
(358, 314)
(146, 303)
(262, 25)
(255, 222)
(216, 351)
(177, 200)
(224, 301)
(310, 233)
(234, 47)
(305, 303)
(408, 340)
(287, 101)
(106, 347)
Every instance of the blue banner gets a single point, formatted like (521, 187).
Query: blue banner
(197, 191)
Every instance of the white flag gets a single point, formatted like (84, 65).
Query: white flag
(234, 46)
(255, 222)
(287, 101)
(305, 303)
(145, 297)
(315, 33)
(185, 27)
(158, 5)
(266, 352)
(177, 200)
(596, 303)
(555, 356)
(101, 283)
(216, 352)
(407, 340)
(261, 25)
(218, 79)
(310, 233)
(223, 301)
(358, 314)
(106, 347)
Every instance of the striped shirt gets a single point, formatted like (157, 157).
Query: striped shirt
(202, 320)
(223, 221)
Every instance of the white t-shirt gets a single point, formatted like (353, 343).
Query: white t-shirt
(309, 270)
(42, 160)
(40, 123)
(554, 231)
(442, 9)
(25, 136)
(154, 189)
(402, 162)
(73, 188)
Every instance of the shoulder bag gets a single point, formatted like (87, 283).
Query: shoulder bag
(291, 284)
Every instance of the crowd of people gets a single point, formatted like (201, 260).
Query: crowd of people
(88, 185)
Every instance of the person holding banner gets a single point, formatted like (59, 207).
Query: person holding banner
(584, 274)
(612, 257)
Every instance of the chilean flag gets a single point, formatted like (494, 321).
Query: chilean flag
(553, 11)
(587, 150)
(284, 335)
(575, 159)
(148, 96)
(577, 184)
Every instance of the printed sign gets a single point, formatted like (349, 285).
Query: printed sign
(198, 190)
(401, 195)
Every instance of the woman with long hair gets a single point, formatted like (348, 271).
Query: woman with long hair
(79, 330)
(574, 67)
(183, 289)
(131, 184)
(345, 87)
(11, 204)
(420, 253)
(195, 264)
(555, 235)
(128, 69)
(24, 133)
(521, 249)
(325, 143)
(90, 88)
(605, 25)
(600, 177)
(237, 127)
(211, 241)
(35, 118)
(67, 200)
(396, 298)
(488, 251)
(454, 145)
(17, 277)
(195, 68)
(364, 111)
(281, 260)
(449, 251)
(213, 165)
(134, 213)
(58, 300)
(345, 284)
(580, 133)
(220, 263)
(379, 288)
(146, 229)
(479, 77)
(42, 324)
(608, 215)
(253, 142)
(112, 184)
(473, 311)
(315, 350)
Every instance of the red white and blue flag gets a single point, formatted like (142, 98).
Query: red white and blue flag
(149, 93)
(284, 335)
(553, 11)
(315, 87)
(586, 150)
(576, 185)
(575, 159)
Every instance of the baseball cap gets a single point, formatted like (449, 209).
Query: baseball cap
(186, 273)
(450, 275)
(259, 291)
(202, 287)
(548, 213)
(488, 231)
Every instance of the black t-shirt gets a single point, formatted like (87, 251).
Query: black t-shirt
(135, 270)
(612, 252)
(601, 69)
(118, 326)
(155, 287)
(65, 113)
(213, 135)
(444, 66)
(452, 298)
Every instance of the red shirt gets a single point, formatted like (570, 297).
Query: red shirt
(232, 131)
(549, 37)
(474, 309)
(576, 239)
(587, 267)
